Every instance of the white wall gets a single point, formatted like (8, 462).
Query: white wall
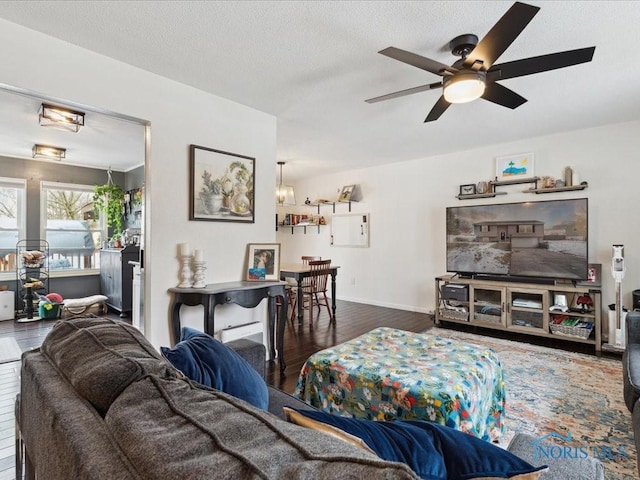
(406, 202)
(179, 116)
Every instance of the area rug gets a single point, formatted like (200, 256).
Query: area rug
(9, 350)
(557, 393)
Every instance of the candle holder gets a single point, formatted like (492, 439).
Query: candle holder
(185, 272)
(198, 276)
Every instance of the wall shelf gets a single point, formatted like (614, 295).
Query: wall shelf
(518, 181)
(556, 189)
(304, 227)
(479, 195)
(333, 205)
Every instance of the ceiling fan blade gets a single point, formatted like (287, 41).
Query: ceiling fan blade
(543, 63)
(438, 109)
(501, 95)
(402, 93)
(503, 33)
(417, 61)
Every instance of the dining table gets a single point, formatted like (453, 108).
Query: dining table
(299, 271)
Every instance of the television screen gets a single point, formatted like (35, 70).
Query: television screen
(530, 239)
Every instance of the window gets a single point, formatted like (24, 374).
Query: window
(70, 226)
(484, 228)
(525, 228)
(12, 219)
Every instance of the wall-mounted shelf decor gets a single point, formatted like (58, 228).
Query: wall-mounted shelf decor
(517, 181)
(323, 203)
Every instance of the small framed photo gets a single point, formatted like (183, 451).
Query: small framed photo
(347, 193)
(263, 262)
(594, 276)
(469, 189)
(513, 167)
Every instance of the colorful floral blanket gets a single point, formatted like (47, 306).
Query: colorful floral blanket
(390, 374)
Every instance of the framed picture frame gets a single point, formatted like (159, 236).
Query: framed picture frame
(263, 262)
(469, 189)
(594, 276)
(347, 193)
(513, 167)
(221, 186)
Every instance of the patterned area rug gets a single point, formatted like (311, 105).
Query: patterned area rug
(554, 391)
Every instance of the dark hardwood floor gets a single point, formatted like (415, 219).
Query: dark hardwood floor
(300, 341)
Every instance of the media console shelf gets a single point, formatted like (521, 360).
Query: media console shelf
(524, 308)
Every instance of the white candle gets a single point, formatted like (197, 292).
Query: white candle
(184, 250)
(198, 256)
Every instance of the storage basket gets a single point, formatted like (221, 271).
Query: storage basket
(447, 314)
(483, 317)
(578, 332)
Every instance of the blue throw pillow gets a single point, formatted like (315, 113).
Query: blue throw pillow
(209, 362)
(432, 451)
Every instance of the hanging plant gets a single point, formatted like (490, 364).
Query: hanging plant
(109, 199)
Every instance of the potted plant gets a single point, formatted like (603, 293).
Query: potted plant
(211, 193)
(109, 199)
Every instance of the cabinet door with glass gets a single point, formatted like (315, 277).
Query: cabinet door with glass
(488, 305)
(528, 309)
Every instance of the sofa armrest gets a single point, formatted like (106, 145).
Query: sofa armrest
(252, 352)
(633, 328)
(279, 399)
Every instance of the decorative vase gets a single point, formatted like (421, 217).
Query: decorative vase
(240, 204)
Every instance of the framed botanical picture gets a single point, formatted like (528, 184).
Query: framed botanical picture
(594, 276)
(347, 193)
(512, 167)
(221, 186)
(263, 261)
(469, 189)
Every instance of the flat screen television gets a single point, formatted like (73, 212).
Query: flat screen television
(546, 240)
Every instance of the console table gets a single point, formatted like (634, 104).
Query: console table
(245, 294)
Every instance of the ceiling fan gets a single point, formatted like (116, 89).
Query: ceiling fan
(474, 75)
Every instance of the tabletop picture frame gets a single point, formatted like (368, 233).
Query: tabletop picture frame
(347, 193)
(221, 186)
(263, 262)
(594, 276)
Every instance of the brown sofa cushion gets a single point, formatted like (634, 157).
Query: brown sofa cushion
(183, 430)
(101, 357)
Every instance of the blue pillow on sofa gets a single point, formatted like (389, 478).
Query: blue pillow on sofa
(210, 362)
(433, 451)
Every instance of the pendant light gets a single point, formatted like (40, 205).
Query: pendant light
(284, 193)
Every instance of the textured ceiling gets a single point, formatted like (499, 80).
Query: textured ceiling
(312, 65)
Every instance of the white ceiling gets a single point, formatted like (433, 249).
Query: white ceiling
(312, 65)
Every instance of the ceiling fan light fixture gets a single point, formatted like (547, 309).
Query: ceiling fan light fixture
(47, 151)
(463, 87)
(60, 117)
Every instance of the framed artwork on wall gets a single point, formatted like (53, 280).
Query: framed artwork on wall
(263, 262)
(512, 167)
(221, 186)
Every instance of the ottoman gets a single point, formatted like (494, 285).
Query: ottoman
(388, 374)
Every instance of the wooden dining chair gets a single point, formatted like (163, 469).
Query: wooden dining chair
(314, 288)
(292, 285)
